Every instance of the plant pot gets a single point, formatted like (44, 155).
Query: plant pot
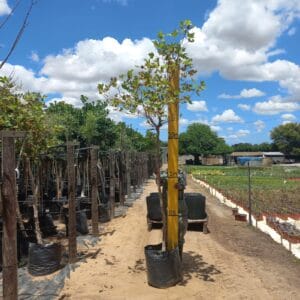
(153, 208)
(163, 267)
(196, 206)
(44, 259)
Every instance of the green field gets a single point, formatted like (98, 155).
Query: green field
(274, 189)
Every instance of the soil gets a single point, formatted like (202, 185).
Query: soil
(233, 261)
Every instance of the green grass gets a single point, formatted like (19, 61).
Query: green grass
(271, 187)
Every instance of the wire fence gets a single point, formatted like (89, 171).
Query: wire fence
(271, 190)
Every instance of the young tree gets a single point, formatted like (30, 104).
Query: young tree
(147, 90)
(25, 112)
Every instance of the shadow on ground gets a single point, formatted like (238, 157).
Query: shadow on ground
(193, 265)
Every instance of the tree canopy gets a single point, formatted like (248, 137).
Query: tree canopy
(199, 139)
(287, 138)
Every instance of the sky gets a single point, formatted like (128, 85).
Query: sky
(246, 51)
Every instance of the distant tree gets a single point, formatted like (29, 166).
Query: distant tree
(64, 119)
(287, 138)
(199, 139)
(243, 147)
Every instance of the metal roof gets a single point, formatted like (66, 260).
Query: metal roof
(247, 154)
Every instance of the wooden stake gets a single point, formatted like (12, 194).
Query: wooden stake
(128, 177)
(94, 186)
(112, 176)
(9, 237)
(72, 203)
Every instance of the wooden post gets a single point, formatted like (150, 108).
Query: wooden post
(9, 199)
(94, 187)
(249, 195)
(128, 172)
(173, 114)
(112, 175)
(72, 203)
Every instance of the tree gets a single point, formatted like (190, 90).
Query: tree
(287, 138)
(148, 90)
(199, 139)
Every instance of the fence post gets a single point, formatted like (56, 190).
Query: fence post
(72, 203)
(112, 182)
(249, 195)
(94, 187)
(128, 173)
(9, 198)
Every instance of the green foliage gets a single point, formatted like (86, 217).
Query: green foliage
(24, 112)
(287, 138)
(148, 88)
(246, 147)
(199, 139)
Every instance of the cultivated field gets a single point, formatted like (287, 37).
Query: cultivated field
(274, 189)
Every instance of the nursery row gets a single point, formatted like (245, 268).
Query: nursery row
(272, 190)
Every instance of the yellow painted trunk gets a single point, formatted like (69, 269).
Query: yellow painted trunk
(172, 207)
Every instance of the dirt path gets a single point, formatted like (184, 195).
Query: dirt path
(232, 262)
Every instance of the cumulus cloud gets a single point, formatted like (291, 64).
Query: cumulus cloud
(228, 116)
(245, 93)
(274, 106)
(288, 117)
(227, 43)
(239, 134)
(197, 106)
(244, 107)
(4, 8)
(78, 70)
(259, 125)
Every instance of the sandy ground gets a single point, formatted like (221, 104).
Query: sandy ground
(233, 261)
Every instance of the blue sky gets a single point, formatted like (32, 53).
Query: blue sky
(247, 52)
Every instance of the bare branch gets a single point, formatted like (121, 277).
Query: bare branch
(10, 14)
(19, 35)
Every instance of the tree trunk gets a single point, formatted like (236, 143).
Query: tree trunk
(196, 159)
(159, 189)
(35, 205)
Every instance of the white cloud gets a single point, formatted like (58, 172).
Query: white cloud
(244, 107)
(245, 93)
(239, 134)
(78, 70)
(259, 125)
(275, 105)
(292, 31)
(227, 42)
(4, 8)
(215, 128)
(228, 116)
(34, 56)
(183, 122)
(288, 117)
(197, 106)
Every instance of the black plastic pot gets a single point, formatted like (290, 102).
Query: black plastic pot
(196, 206)
(163, 267)
(153, 208)
(44, 259)
(81, 222)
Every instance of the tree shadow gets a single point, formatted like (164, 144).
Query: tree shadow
(194, 266)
